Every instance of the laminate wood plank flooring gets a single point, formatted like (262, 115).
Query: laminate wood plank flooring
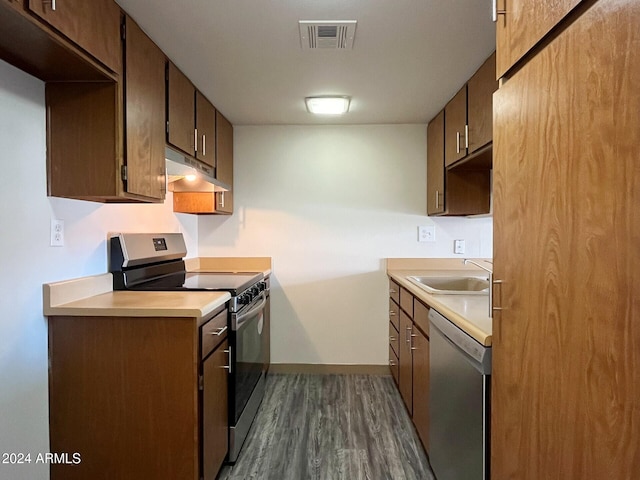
(331, 427)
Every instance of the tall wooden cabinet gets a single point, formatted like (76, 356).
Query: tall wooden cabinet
(455, 128)
(566, 342)
(224, 167)
(435, 165)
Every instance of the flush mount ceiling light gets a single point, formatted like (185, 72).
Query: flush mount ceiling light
(328, 105)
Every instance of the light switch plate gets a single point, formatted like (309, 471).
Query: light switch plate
(427, 233)
(458, 246)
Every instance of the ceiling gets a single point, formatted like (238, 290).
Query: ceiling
(409, 56)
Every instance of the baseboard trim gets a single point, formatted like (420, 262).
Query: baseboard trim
(321, 369)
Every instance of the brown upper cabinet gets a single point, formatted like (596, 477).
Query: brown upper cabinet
(94, 26)
(104, 140)
(435, 165)
(521, 24)
(469, 115)
(191, 118)
(224, 167)
(455, 128)
(144, 111)
(480, 90)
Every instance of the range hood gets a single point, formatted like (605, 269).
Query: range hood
(179, 166)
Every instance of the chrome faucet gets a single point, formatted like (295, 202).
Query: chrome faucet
(490, 271)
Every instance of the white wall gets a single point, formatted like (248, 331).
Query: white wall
(27, 261)
(329, 204)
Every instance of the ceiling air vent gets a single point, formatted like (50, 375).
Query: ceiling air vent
(332, 34)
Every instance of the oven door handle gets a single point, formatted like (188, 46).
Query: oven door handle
(241, 319)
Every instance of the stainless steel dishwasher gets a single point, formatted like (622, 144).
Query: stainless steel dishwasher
(459, 396)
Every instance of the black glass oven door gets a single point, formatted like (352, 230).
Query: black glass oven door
(248, 356)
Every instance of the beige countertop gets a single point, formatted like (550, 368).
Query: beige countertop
(469, 312)
(94, 295)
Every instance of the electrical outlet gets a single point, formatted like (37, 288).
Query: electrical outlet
(427, 233)
(458, 246)
(57, 233)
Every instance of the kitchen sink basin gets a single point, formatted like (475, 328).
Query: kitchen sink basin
(453, 285)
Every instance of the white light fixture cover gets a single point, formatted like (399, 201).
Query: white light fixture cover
(328, 105)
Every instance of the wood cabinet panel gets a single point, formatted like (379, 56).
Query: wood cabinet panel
(480, 90)
(455, 121)
(394, 291)
(144, 114)
(394, 314)
(215, 443)
(394, 365)
(405, 374)
(82, 140)
(435, 165)
(468, 192)
(181, 110)
(124, 394)
(206, 125)
(393, 338)
(523, 25)
(94, 26)
(421, 386)
(406, 301)
(224, 162)
(421, 316)
(565, 382)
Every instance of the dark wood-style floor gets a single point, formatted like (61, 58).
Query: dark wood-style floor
(331, 427)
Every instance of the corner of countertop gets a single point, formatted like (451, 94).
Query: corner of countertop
(66, 291)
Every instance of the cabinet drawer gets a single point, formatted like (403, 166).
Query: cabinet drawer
(394, 314)
(393, 337)
(394, 291)
(393, 364)
(213, 333)
(406, 302)
(421, 316)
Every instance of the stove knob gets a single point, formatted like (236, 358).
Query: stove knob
(255, 291)
(245, 299)
(262, 286)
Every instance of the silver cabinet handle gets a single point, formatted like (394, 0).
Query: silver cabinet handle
(391, 290)
(204, 144)
(228, 367)
(50, 2)
(392, 363)
(222, 199)
(495, 12)
(392, 339)
(392, 313)
(457, 142)
(491, 307)
(466, 136)
(220, 331)
(437, 199)
(411, 343)
(195, 140)
(407, 337)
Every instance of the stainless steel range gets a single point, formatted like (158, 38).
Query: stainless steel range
(156, 262)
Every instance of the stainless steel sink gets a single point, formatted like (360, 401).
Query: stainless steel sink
(453, 285)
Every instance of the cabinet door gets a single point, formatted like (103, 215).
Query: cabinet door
(523, 25)
(94, 25)
(206, 126)
(181, 111)
(215, 418)
(435, 165)
(565, 382)
(480, 90)
(144, 117)
(224, 162)
(455, 121)
(405, 379)
(421, 385)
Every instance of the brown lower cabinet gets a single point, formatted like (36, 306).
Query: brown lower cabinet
(409, 355)
(138, 398)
